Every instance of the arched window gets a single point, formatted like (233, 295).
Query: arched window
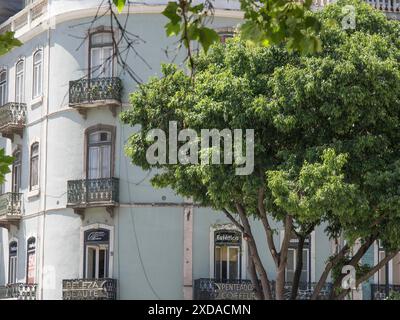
(96, 253)
(227, 255)
(3, 88)
(16, 171)
(12, 262)
(19, 82)
(37, 74)
(34, 166)
(99, 152)
(31, 260)
(101, 54)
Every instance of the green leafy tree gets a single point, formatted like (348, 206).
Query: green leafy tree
(326, 139)
(7, 43)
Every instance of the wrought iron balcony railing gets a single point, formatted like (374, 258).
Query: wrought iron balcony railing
(10, 208)
(18, 291)
(89, 289)
(12, 118)
(385, 5)
(212, 289)
(383, 291)
(93, 192)
(95, 92)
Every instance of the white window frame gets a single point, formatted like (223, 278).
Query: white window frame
(102, 48)
(15, 262)
(229, 247)
(100, 146)
(20, 82)
(36, 186)
(37, 75)
(376, 261)
(97, 249)
(27, 255)
(244, 251)
(4, 87)
(16, 182)
(311, 252)
(83, 249)
(295, 262)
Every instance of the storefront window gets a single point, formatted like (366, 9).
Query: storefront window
(97, 242)
(31, 261)
(12, 264)
(227, 255)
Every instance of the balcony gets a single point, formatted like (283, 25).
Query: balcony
(211, 289)
(18, 291)
(10, 209)
(382, 291)
(12, 119)
(91, 193)
(33, 15)
(89, 289)
(92, 93)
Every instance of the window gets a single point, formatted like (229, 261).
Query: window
(384, 271)
(31, 261)
(16, 171)
(99, 154)
(12, 262)
(292, 260)
(96, 254)
(3, 88)
(225, 33)
(34, 166)
(19, 82)
(227, 255)
(37, 74)
(101, 55)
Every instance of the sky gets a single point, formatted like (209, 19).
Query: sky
(8, 8)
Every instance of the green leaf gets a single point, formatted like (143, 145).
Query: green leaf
(170, 12)
(172, 29)
(120, 4)
(207, 37)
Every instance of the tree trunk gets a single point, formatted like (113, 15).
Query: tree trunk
(299, 267)
(327, 270)
(266, 287)
(280, 283)
(254, 280)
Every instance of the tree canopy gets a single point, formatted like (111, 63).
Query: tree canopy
(326, 135)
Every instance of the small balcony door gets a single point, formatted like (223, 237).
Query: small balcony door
(16, 172)
(97, 261)
(101, 55)
(3, 88)
(291, 265)
(19, 83)
(227, 263)
(99, 155)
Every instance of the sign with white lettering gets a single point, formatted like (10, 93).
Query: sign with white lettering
(82, 289)
(234, 291)
(228, 237)
(97, 235)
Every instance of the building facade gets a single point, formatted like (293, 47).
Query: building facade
(78, 220)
